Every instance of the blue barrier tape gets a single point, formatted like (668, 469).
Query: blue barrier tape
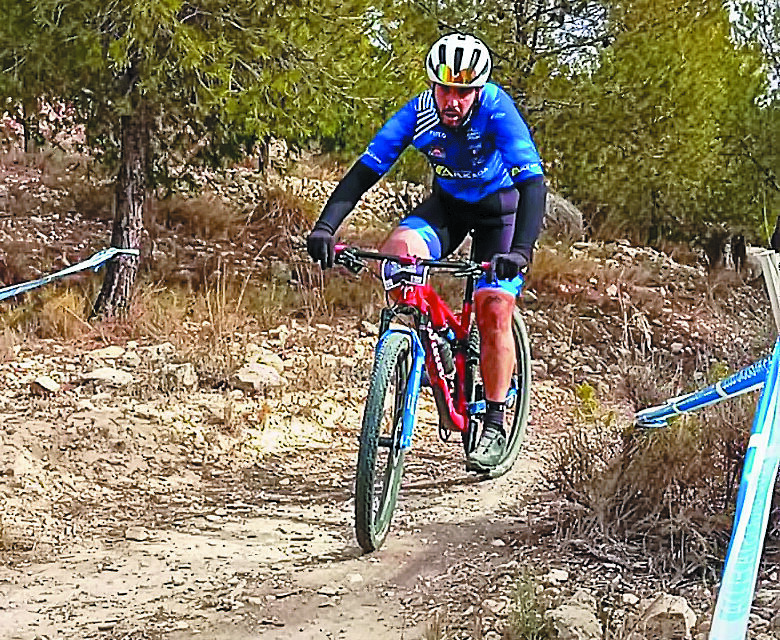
(93, 262)
(754, 501)
(748, 379)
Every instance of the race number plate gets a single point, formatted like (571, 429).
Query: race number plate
(395, 275)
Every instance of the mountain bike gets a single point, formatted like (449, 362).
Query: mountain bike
(422, 341)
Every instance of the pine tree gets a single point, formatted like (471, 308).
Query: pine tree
(160, 84)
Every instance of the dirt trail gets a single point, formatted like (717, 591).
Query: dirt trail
(146, 540)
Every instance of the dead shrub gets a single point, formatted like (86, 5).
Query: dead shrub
(362, 295)
(56, 181)
(588, 281)
(18, 201)
(658, 498)
(647, 382)
(54, 312)
(205, 216)
(20, 261)
(273, 219)
(278, 220)
(9, 338)
(89, 196)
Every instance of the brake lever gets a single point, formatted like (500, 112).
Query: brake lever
(472, 269)
(347, 259)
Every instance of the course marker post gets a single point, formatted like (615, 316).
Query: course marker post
(754, 501)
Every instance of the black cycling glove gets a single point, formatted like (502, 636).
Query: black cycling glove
(506, 266)
(321, 244)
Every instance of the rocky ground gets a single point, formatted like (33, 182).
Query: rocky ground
(139, 500)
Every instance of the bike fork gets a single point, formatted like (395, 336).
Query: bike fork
(413, 383)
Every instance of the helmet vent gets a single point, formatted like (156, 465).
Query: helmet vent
(458, 59)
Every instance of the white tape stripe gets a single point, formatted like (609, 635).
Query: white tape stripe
(93, 262)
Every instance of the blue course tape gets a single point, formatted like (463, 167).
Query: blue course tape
(747, 379)
(94, 262)
(754, 501)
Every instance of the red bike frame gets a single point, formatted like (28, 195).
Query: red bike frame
(424, 299)
(429, 303)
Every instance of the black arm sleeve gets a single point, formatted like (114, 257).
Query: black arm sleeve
(530, 215)
(345, 196)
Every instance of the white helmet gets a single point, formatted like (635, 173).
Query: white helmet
(459, 60)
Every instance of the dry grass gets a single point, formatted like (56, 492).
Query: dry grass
(206, 216)
(555, 271)
(273, 219)
(659, 498)
(52, 312)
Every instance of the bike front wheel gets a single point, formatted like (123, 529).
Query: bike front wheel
(380, 458)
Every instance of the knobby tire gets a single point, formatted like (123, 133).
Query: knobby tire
(380, 459)
(522, 404)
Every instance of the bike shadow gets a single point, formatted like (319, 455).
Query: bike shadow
(444, 483)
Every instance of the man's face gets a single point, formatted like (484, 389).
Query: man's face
(454, 103)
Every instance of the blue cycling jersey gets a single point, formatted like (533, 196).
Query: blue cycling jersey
(491, 151)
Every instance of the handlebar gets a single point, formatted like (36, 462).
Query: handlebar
(353, 258)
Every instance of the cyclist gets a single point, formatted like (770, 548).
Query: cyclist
(488, 182)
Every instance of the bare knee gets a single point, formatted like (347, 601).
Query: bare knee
(494, 312)
(406, 242)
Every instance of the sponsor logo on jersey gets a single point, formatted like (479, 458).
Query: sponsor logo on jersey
(516, 171)
(472, 134)
(446, 172)
(437, 152)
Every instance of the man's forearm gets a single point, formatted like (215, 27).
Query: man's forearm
(346, 195)
(530, 215)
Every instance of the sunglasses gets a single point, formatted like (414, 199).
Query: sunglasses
(444, 73)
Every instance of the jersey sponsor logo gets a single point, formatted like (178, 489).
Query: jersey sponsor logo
(438, 134)
(473, 134)
(437, 152)
(445, 172)
(516, 171)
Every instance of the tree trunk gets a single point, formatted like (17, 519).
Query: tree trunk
(129, 196)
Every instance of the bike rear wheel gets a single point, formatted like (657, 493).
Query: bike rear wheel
(518, 402)
(380, 458)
